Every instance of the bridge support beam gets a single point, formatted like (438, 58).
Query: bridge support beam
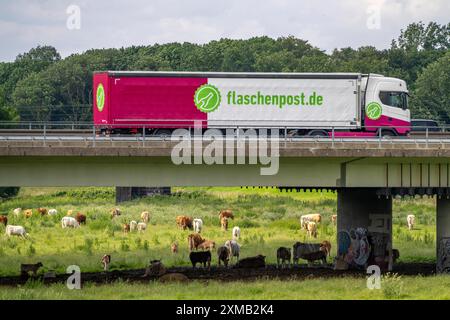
(129, 193)
(364, 219)
(443, 235)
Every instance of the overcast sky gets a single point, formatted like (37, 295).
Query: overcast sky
(327, 24)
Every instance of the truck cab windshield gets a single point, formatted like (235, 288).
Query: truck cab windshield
(394, 99)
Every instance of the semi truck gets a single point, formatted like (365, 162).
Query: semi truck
(303, 104)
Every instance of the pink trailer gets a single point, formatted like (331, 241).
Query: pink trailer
(315, 104)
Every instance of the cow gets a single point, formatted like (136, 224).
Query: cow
(115, 212)
(173, 277)
(223, 255)
(316, 255)
(224, 223)
(16, 231)
(395, 255)
(234, 249)
(145, 216)
(133, 225)
(334, 219)
(226, 213)
(283, 255)
(326, 246)
(410, 219)
(52, 212)
(17, 211)
(201, 257)
(194, 241)
(300, 249)
(207, 245)
(42, 211)
(81, 218)
(316, 217)
(252, 262)
(184, 222)
(155, 268)
(69, 222)
(198, 225)
(126, 227)
(311, 229)
(174, 247)
(4, 220)
(106, 260)
(26, 268)
(28, 213)
(236, 233)
(141, 226)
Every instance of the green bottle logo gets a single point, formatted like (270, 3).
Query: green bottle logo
(207, 98)
(374, 111)
(100, 97)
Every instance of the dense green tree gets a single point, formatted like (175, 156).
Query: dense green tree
(431, 97)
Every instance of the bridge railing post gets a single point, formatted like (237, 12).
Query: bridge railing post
(380, 134)
(45, 133)
(332, 137)
(143, 136)
(93, 135)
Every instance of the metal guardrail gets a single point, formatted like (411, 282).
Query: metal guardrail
(91, 133)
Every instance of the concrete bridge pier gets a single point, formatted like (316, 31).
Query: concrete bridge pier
(443, 235)
(364, 220)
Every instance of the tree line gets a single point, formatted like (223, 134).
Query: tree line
(40, 86)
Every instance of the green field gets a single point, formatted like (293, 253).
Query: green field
(267, 218)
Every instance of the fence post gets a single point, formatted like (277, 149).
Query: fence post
(426, 138)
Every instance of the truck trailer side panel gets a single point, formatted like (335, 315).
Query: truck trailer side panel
(285, 102)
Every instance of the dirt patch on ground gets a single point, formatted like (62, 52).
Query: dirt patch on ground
(227, 274)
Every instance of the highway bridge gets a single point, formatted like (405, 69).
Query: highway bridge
(367, 173)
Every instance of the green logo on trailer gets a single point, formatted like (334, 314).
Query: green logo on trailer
(207, 98)
(100, 97)
(374, 111)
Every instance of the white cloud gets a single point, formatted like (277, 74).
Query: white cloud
(114, 23)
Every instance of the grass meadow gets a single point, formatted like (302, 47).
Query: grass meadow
(268, 219)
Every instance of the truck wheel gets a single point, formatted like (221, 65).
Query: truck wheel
(387, 134)
(318, 134)
(163, 133)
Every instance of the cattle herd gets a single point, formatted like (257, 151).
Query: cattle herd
(200, 249)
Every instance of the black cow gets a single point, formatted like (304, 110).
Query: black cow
(200, 257)
(252, 262)
(283, 255)
(223, 255)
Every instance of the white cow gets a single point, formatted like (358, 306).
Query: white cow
(69, 222)
(17, 211)
(410, 219)
(236, 233)
(314, 217)
(198, 225)
(52, 212)
(133, 225)
(16, 231)
(233, 249)
(311, 229)
(141, 226)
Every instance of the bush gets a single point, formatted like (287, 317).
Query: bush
(392, 286)
(8, 192)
